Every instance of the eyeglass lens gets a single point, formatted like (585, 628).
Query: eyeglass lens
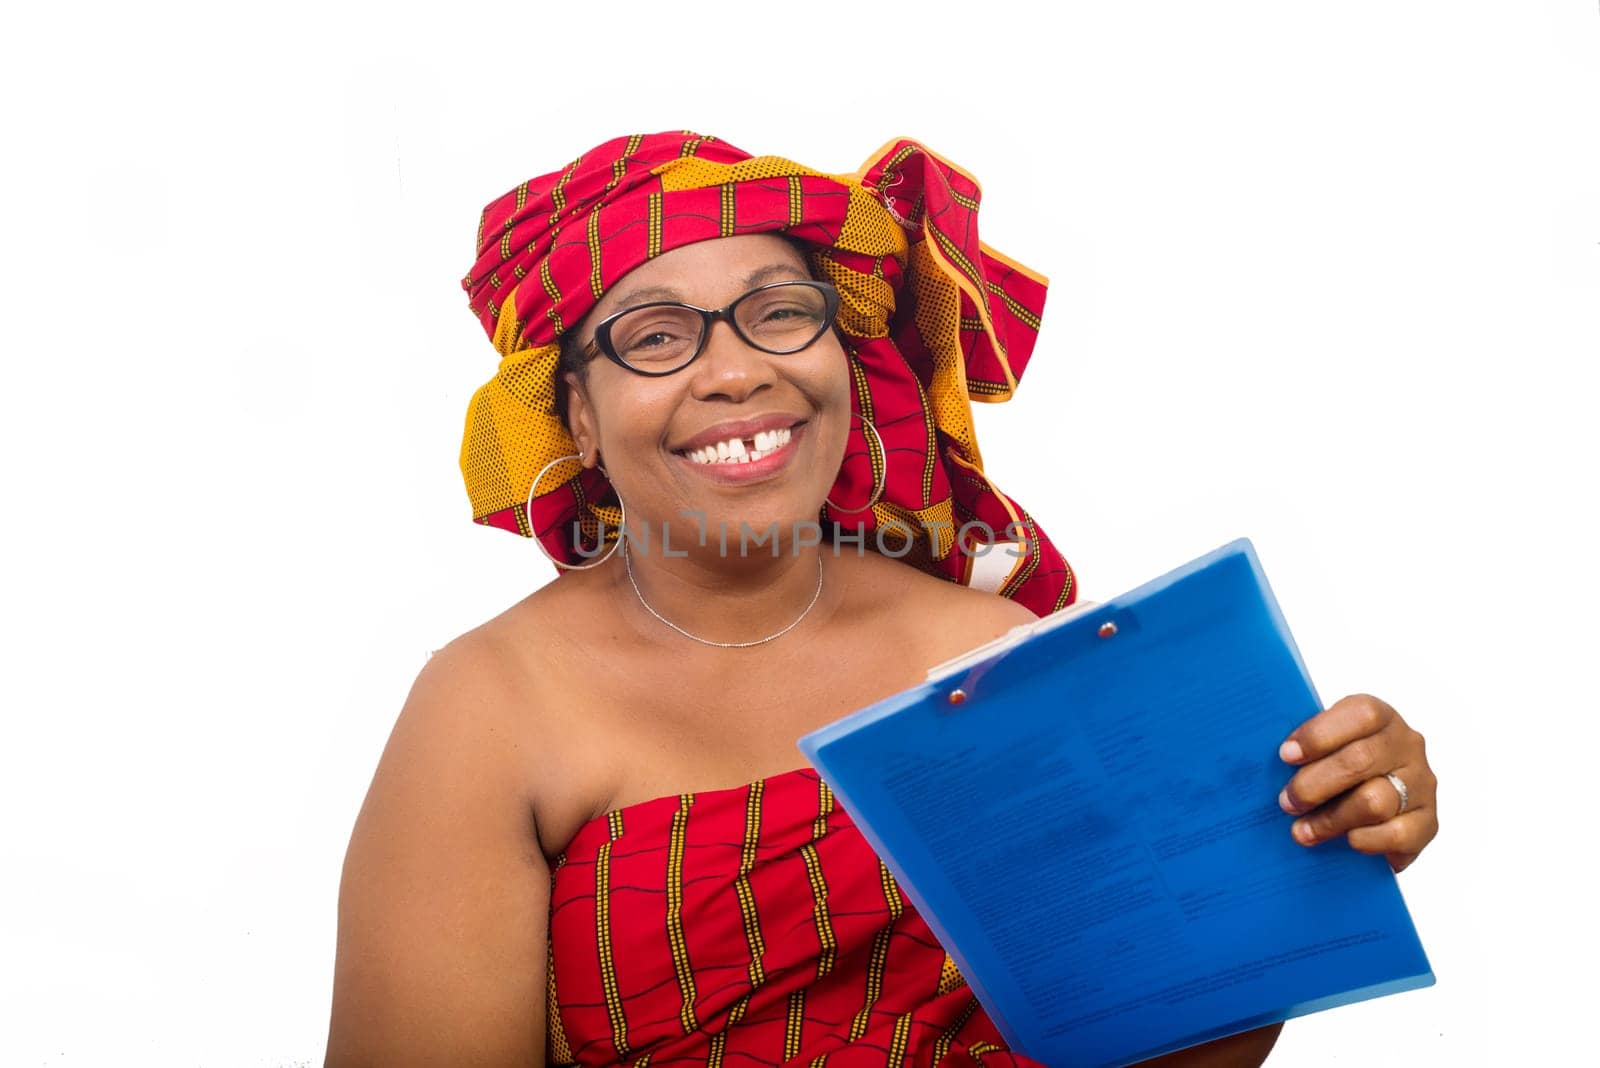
(778, 318)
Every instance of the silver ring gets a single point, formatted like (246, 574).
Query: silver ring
(1399, 785)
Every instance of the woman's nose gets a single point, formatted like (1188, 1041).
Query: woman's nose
(730, 366)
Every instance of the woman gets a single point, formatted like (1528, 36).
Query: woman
(588, 839)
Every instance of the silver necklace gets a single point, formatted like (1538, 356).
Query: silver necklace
(627, 562)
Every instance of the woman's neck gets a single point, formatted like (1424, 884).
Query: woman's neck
(723, 598)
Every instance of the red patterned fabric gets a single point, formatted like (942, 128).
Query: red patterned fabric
(749, 926)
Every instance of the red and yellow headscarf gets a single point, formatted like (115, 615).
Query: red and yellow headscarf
(933, 319)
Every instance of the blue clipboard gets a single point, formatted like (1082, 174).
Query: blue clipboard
(1085, 812)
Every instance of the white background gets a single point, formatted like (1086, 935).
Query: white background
(1324, 275)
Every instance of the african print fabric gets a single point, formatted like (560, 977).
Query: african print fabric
(933, 319)
(749, 926)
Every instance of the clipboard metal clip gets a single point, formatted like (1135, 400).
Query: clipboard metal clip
(984, 658)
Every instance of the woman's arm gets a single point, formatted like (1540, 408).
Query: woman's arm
(443, 904)
(1244, 1050)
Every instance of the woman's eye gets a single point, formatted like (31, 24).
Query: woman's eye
(651, 337)
(652, 342)
(785, 312)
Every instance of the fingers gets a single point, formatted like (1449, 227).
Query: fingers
(1356, 739)
(1338, 725)
(1341, 788)
(1344, 769)
(1370, 816)
(1399, 839)
(1370, 804)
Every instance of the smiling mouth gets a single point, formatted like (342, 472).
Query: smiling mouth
(742, 450)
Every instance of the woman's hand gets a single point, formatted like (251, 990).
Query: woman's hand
(1344, 755)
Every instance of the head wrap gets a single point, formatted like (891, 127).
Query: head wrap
(932, 318)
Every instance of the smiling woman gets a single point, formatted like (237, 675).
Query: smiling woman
(927, 319)
(680, 444)
(588, 841)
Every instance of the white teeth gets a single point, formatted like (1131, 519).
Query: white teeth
(734, 450)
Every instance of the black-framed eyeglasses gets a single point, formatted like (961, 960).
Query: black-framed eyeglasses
(665, 336)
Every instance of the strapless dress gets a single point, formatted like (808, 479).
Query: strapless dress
(752, 925)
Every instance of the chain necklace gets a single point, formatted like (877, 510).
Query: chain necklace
(627, 562)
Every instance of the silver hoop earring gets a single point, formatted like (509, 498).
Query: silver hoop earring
(877, 490)
(533, 490)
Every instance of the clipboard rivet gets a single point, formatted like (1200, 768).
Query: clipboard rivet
(1108, 629)
(958, 696)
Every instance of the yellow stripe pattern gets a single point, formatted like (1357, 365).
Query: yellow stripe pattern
(552, 292)
(1016, 306)
(954, 255)
(653, 225)
(558, 194)
(726, 222)
(941, 1047)
(902, 1039)
(608, 970)
(619, 166)
(719, 1041)
(793, 1024)
(680, 949)
(826, 939)
(752, 924)
(595, 285)
(880, 952)
(797, 201)
(747, 897)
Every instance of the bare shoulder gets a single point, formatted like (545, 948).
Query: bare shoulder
(468, 688)
(444, 894)
(943, 618)
(544, 660)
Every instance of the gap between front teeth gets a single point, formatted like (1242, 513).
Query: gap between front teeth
(734, 450)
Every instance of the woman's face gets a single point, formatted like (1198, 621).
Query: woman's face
(658, 437)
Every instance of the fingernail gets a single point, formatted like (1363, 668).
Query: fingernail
(1290, 752)
(1284, 802)
(1302, 831)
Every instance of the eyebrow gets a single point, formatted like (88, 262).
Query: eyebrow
(751, 280)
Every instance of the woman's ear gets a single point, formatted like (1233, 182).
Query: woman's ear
(581, 421)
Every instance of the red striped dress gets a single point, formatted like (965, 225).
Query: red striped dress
(748, 926)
